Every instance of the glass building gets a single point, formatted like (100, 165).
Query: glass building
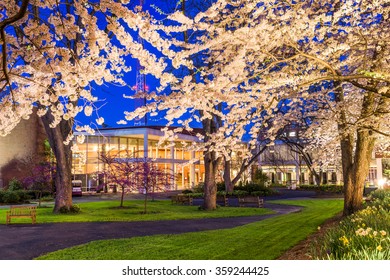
(186, 166)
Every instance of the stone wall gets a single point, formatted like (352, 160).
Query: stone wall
(24, 143)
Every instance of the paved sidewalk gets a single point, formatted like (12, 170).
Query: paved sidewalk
(25, 241)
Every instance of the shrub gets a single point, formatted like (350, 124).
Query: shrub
(260, 177)
(199, 188)
(186, 192)
(15, 185)
(74, 209)
(323, 188)
(11, 197)
(24, 196)
(381, 198)
(47, 198)
(380, 194)
(277, 185)
(196, 195)
(265, 192)
(220, 186)
(256, 189)
(221, 193)
(35, 194)
(237, 193)
(1, 196)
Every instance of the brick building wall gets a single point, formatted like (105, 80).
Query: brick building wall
(24, 142)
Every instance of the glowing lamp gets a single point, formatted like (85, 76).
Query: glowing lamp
(381, 183)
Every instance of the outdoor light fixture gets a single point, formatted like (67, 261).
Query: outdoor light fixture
(381, 183)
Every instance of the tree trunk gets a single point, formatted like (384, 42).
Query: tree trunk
(229, 186)
(229, 182)
(356, 162)
(318, 178)
(145, 201)
(210, 186)
(122, 196)
(355, 174)
(63, 155)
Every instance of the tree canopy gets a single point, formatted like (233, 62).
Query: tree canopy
(260, 63)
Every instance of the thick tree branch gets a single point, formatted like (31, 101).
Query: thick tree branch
(3, 25)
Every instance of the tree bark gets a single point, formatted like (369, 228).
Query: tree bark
(122, 197)
(63, 155)
(355, 163)
(211, 162)
(210, 186)
(355, 174)
(229, 186)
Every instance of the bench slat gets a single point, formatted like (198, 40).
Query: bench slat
(182, 199)
(22, 212)
(251, 200)
(223, 200)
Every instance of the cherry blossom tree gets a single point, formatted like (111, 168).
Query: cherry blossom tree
(254, 55)
(53, 53)
(262, 52)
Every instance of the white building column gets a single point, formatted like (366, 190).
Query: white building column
(182, 178)
(173, 172)
(192, 171)
(379, 171)
(146, 144)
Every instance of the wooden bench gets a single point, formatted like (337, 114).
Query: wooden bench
(253, 200)
(182, 199)
(223, 200)
(22, 212)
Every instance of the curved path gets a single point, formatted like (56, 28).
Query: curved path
(26, 241)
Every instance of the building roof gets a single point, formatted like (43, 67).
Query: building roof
(153, 132)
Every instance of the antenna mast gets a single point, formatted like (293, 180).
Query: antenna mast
(140, 85)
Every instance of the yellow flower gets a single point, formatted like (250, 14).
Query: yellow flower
(383, 233)
(375, 233)
(344, 239)
(379, 248)
(319, 228)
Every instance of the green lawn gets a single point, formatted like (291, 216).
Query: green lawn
(158, 210)
(267, 239)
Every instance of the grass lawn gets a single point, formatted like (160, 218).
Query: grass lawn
(267, 239)
(157, 210)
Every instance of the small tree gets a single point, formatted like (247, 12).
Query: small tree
(41, 179)
(120, 170)
(151, 178)
(259, 177)
(129, 171)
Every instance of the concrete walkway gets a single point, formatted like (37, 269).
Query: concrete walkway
(26, 241)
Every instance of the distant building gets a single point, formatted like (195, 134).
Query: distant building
(284, 164)
(23, 143)
(278, 161)
(186, 165)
